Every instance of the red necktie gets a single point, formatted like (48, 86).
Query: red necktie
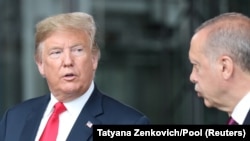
(231, 121)
(51, 129)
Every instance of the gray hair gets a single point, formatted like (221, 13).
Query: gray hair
(73, 21)
(229, 34)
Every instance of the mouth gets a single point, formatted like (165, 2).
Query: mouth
(198, 94)
(69, 76)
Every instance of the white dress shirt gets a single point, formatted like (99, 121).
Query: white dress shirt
(67, 118)
(240, 111)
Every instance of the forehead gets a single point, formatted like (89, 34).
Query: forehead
(197, 44)
(74, 32)
(64, 36)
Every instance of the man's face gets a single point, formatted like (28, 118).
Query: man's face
(67, 63)
(204, 74)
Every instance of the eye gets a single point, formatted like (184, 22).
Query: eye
(55, 53)
(195, 67)
(78, 50)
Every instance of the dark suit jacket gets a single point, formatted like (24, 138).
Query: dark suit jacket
(247, 119)
(21, 122)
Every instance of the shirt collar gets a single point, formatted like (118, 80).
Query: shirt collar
(240, 111)
(73, 107)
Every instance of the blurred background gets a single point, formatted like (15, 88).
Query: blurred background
(144, 46)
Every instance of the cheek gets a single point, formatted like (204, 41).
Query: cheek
(83, 64)
(207, 82)
(205, 78)
(51, 66)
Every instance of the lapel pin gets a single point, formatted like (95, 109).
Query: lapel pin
(89, 124)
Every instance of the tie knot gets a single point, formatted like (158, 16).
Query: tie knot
(59, 108)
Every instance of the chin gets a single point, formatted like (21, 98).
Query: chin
(208, 104)
(70, 90)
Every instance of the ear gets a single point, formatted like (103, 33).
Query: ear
(95, 60)
(226, 66)
(40, 67)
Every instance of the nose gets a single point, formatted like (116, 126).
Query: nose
(192, 77)
(68, 59)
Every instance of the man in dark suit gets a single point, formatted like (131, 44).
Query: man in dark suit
(67, 57)
(219, 52)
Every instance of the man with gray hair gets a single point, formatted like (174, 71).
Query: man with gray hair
(219, 53)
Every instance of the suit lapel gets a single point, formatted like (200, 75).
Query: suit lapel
(247, 119)
(82, 129)
(33, 120)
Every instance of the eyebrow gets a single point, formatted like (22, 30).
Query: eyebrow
(76, 45)
(58, 47)
(193, 61)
